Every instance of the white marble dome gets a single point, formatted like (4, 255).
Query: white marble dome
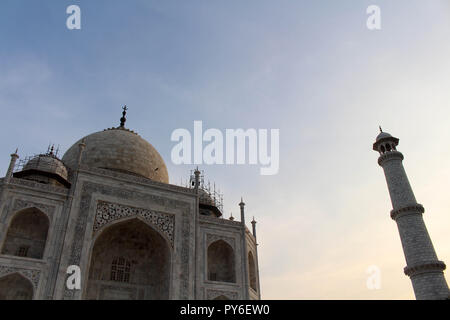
(122, 150)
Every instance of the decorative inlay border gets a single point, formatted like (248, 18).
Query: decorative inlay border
(135, 178)
(133, 291)
(87, 191)
(434, 266)
(212, 294)
(210, 238)
(20, 204)
(108, 212)
(410, 209)
(220, 221)
(39, 186)
(31, 274)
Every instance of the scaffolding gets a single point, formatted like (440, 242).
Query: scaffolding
(43, 162)
(208, 193)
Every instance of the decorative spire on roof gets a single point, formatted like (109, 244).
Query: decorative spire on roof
(123, 119)
(381, 130)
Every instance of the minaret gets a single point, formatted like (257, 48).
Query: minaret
(12, 164)
(254, 227)
(244, 249)
(422, 265)
(242, 206)
(197, 180)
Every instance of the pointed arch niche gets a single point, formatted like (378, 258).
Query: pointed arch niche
(221, 262)
(15, 287)
(27, 234)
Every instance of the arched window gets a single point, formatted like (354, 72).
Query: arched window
(15, 287)
(221, 262)
(388, 147)
(252, 271)
(27, 234)
(382, 149)
(120, 270)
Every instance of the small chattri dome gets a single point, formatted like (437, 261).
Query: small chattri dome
(47, 163)
(383, 135)
(205, 197)
(385, 142)
(45, 168)
(208, 204)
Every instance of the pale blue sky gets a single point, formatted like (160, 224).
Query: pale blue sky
(309, 68)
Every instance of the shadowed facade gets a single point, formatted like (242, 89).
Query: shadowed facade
(108, 208)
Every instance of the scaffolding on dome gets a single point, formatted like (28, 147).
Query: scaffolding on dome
(208, 193)
(40, 161)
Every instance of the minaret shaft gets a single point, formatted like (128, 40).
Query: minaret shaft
(400, 190)
(423, 266)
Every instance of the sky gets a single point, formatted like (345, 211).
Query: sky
(311, 69)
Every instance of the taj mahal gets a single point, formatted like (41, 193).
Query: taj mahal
(107, 208)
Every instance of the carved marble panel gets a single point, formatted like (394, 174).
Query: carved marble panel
(20, 204)
(211, 294)
(210, 238)
(30, 274)
(108, 212)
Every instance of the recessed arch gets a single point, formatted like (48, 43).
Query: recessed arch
(27, 234)
(130, 260)
(388, 147)
(252, 271)
(112, 223)
(15, 287)
(221, 262)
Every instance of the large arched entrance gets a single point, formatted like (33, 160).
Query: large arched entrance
(15, 287)
(27, 234)
(129, 261)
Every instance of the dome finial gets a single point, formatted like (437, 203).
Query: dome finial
(381, 130)
(123, 119)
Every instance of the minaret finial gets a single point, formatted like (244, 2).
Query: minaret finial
(254, 226)
(123, 119)
(381, 130)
